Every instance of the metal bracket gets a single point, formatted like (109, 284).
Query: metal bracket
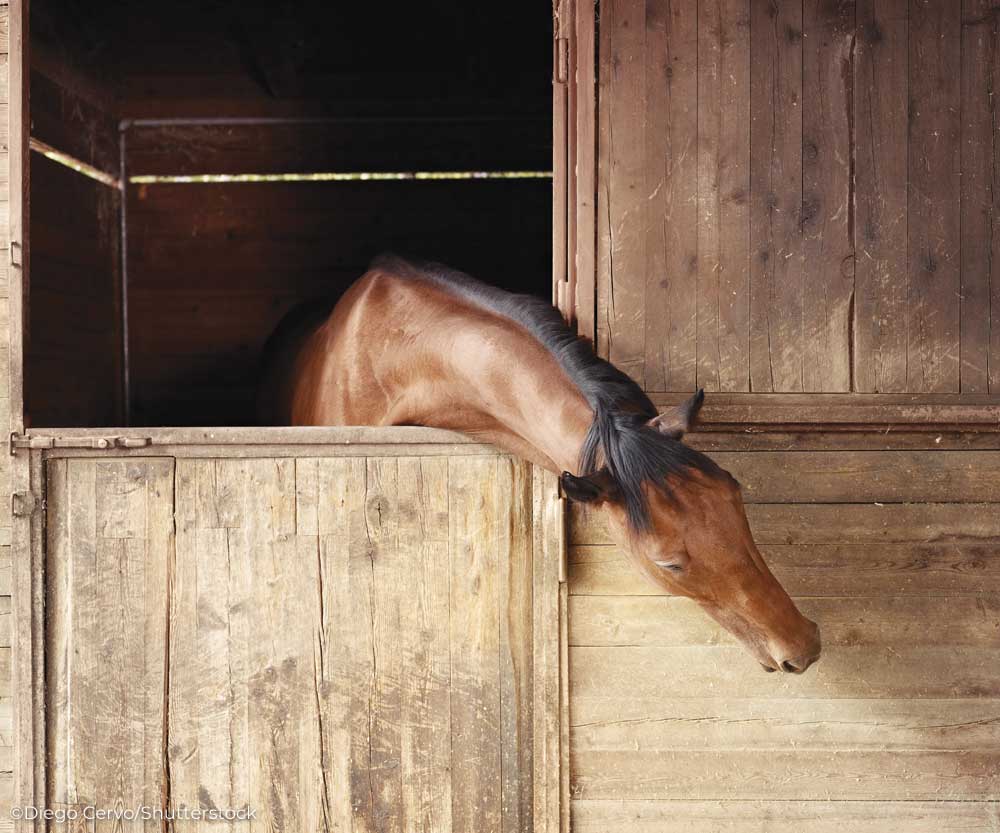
(23, 504)
(43, 441)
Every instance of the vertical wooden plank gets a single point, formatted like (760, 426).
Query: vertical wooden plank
(621, 194)
(881, 279)
(980, 255)
(723, 195)
(108, 642)
(669, 213)
(16, 237)
(474, 487)
(513, 547)
(777, 268)
(550, 787)
(934, 197)
(585, 146)
(425, 715)
(343, 544)
(63, 547)
(183, 673)
(282, 736)
(827, 217)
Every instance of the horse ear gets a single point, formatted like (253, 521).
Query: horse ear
(678, 420)
(589, 489)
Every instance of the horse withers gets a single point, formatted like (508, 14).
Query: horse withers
(420, 344)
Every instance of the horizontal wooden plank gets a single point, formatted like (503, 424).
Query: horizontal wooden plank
(648, 674)
(779, 723)
(835, 524)
(756, 438)
(842, 408)
(665, 621)
(785, 774)
(866, 569)
(865, 476)
(815, 816)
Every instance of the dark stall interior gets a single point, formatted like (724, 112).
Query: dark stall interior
(241, 131)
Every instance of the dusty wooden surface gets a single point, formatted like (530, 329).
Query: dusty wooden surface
(674, 727)
(338, 641)
(796, 197)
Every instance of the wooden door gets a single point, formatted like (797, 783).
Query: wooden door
(365, 638)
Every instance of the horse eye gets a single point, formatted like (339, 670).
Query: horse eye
(673, 566)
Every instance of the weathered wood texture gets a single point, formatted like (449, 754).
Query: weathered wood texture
(798, 197)
(341, 643)
(11, 224)
(213, 268)
(675, 728)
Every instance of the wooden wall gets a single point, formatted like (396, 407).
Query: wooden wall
(73, 357)
(891, 545)
(800, 196)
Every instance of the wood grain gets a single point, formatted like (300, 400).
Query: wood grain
(827, 214)
(776, 246)
(819, 816)
(668, 214)
(933, 211)
(980, 250)
(723, 219)
(331, 641)
(829, 524)
(876, 568)
(881, 90)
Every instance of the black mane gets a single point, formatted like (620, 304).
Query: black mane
(618, 437)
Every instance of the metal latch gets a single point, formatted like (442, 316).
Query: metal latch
(22, 504)
(44, 441)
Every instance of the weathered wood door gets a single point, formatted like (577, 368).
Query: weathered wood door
(339, 637)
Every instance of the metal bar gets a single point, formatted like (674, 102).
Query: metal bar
(123, 255)
(234, 121)
(74, 164)
(333, 176)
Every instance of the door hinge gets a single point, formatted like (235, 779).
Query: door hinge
(44, 441)
(23, 504)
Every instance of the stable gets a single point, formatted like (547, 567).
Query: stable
(789, 204)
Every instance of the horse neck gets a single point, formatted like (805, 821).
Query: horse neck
(511, 390)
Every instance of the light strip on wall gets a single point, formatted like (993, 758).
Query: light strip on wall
(73, 163)
(332, 176)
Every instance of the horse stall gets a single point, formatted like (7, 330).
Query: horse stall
(789, 204)
(343, 628)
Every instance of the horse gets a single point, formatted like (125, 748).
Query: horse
(420, 344)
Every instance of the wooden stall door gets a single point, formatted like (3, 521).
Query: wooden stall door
(337, 643)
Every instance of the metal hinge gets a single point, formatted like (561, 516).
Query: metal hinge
(47, 441)
(23, 504)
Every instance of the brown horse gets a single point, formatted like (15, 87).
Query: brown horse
(423, 345)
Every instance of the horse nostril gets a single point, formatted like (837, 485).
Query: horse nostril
(787, 666)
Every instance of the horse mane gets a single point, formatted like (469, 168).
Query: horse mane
(619, 437)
